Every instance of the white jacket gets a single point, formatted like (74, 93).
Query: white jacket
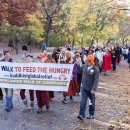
(100, 55)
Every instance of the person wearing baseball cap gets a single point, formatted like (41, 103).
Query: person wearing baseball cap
(90, 79)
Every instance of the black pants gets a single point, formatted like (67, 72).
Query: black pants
(125, 56)
(1, 94)
(79, 79)
(129, 62)
(114, 64)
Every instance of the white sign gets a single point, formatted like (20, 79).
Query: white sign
(35, 76)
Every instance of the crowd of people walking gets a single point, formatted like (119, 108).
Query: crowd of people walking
(88, 64)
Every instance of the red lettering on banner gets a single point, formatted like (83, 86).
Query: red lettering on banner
(42, 69)
(59, 70)
(29, 69)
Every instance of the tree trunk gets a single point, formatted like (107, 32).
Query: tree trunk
(73, 44)
(92, 42)
(124, 40)
(97, 40)
(16, 45)
(48, 30)
(30, 48)
(61, 39)
(82, 40)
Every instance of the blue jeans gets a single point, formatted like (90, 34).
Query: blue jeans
(84, 97)
(9, 98)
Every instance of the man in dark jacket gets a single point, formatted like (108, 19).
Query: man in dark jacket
(54, 55)
(90, 79)
(24, 49)
(129, 57)
(114, 57)
(119, 54)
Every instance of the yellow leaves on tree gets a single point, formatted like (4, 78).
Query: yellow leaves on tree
(91, 19)
(77, 13)
(112, 30)
(36, 27)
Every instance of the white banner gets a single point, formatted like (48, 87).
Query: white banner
(35, 76)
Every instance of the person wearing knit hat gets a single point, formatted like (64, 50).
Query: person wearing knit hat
(42, 57)
(90, 79)
(90, 58)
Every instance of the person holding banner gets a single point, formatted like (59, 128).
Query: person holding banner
(1, 94)
(42, 96)
(89, 86)
(50, 60)
(29, 58)
(62, 56)
(8, 91)
(73, 86)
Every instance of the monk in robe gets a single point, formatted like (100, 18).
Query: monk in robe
(42, 96)
(50, 60)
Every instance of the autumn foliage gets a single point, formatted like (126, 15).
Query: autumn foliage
(15, 11)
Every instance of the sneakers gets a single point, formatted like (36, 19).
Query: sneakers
(39, 111)
(90, 117)
(78, 94)
(64, 101)
(25, 106)
(31, 105)
(7, 109)
(80, 117)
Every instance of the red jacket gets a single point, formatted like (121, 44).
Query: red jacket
(107, 61)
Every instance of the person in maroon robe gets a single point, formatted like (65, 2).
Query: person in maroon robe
(107, 62)
(42, 96)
